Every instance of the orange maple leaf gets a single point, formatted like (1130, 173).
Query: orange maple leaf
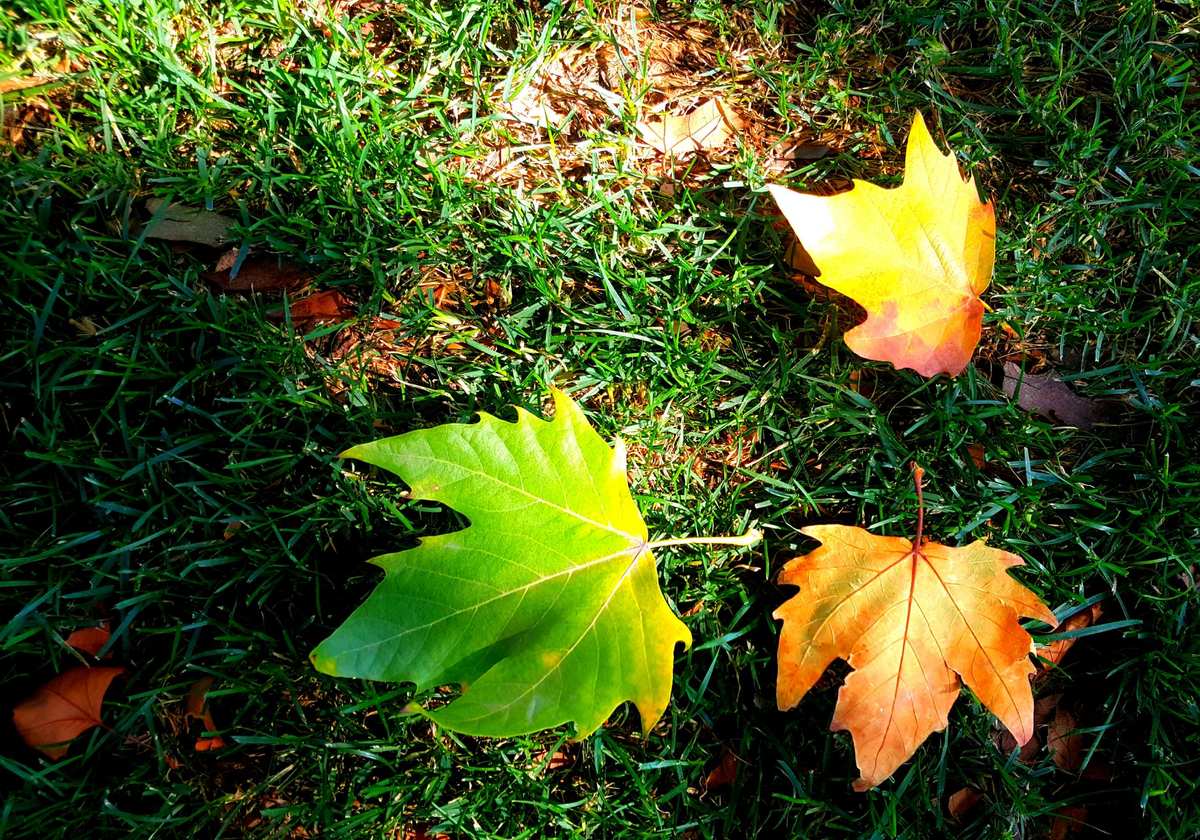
(910, 618)
(916, 257)
(63, 709)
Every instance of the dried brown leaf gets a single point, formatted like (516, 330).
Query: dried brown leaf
(85, 326)
(1043, 707)
(711, 125)
(16, 121)
(1064, 744)
(1068, 820)
(178, 223)
(14, 84)
(962, 801)
(259, 274)
(1051, 398)
(977, 454)
(1054, 652)
(725, 773)
(558, 760)
(227, 260)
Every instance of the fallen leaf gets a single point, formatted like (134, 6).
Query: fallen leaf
(962, 802)
(419, 833)
(709, 126)
(1053, 653)
(89, 639)
(196, 707)
(207, 744)
(260, 274)
(178, 223)
(227, 260)
(545, 609)
(978, 455)
(85, 326)
(326, 306)
(725, 773)
(197, 698)
(1048, 397)
(14, 84)
(1068, 820)
(497, 295)
(1187, 578)
(783, 155)
(1043, 708)
(558, 760)
(1064, 744)
(1006, 743)
(63, 709)
(24, 120)
(916, 257)
(559, 85)
(660, 59)
(910, 620)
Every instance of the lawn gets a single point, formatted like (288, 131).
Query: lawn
(170, 446)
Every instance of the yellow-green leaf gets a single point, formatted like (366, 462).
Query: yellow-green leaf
(546, 609)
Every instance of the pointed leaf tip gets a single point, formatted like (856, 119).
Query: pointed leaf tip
(354, 452)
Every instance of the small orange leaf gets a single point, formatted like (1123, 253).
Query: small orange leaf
(196, 706)
(978, 455)
(63, 709)
(916, 258)
(1056, 650)
(329, 305)
(910, 620)
(725, 773)
(962, 801)
(89, 639)
(15, 84)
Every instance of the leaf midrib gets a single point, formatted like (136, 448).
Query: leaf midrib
(582, 635)
(570, 570)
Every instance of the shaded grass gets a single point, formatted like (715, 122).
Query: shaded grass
(175, 472)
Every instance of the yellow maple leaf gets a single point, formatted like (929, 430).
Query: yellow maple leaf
(910, 618)
(915, 257)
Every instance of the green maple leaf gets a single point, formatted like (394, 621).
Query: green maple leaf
(546, 609)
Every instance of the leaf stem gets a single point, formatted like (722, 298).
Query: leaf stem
(918, 475)
(744, 541)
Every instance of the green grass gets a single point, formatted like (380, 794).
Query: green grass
(176, 471)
